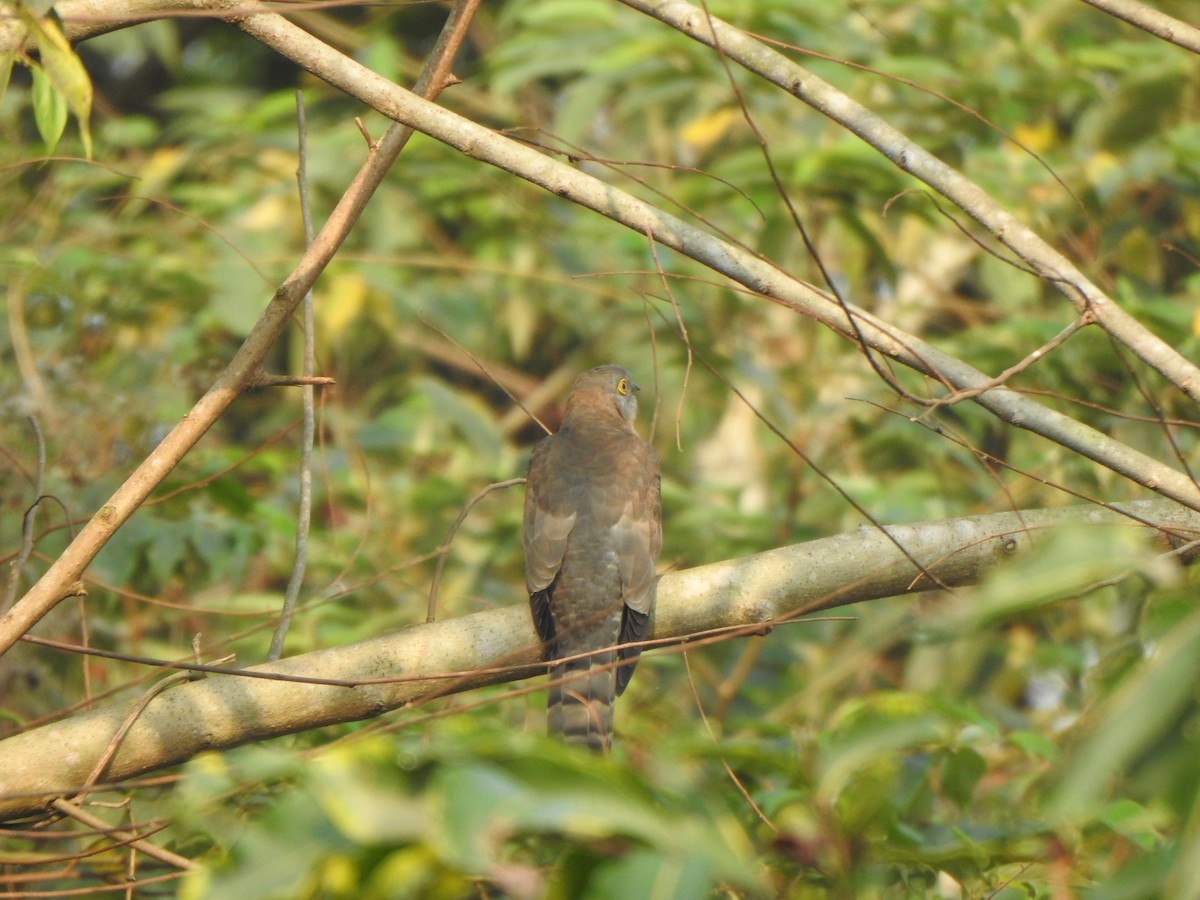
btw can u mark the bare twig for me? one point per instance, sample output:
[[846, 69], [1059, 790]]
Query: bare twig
[[39, 479], [95, 822], [304, 507], [525, 408], [444, 551], [268, 380], [143, 701], [712, 734], [683, 336], [1030, 358]]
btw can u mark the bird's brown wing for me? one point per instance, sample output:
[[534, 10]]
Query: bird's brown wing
[[549, 518], [639, 539]]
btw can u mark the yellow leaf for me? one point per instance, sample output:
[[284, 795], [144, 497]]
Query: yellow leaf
[[1099, 165], [706, 130], [159, 171], [1035, 137], [272, 213], [339, 302]]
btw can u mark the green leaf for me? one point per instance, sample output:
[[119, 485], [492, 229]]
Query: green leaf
[[67, 78], [7, 58], [961, 771], [1130, 721], [49, 110]]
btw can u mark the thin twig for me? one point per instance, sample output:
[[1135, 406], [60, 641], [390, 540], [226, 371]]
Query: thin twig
[[266, 379], [737, 782], [444, 550], [484, 369], [95, 822], [115, 743], [1030, 358], [304, 510], [14, 573], [683, 336]]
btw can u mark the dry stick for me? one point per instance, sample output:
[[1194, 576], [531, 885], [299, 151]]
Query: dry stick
[[61, 580], [1017, 368], [95, 822], [912, 158], [527, 410], [14, 575], [304, 512], [683, 336], [444, 551], [712, 734], [565, 181], [1156, 22], [93, 777]]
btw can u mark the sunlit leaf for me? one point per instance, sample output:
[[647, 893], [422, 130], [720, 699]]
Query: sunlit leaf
[[49, 109]]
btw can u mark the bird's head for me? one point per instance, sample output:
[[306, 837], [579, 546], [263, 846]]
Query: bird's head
[[605, 388]]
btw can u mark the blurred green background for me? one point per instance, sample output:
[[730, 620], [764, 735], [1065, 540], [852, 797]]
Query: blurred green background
[[1036, 736]]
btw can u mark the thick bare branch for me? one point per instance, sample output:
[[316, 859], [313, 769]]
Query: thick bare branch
[[224, 711], [1155, 21]]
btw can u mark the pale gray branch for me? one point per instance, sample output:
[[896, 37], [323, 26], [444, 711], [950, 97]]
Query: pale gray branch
[[1155, 21], [740, 265], [440, 658], [776, 68]]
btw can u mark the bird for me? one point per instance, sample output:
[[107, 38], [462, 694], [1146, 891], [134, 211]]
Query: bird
[[592, 535]]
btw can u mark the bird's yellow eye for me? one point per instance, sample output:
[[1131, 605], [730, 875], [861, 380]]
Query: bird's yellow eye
[[623, 386]]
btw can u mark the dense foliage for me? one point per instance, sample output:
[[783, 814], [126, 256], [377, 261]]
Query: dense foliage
[[1036, 736]]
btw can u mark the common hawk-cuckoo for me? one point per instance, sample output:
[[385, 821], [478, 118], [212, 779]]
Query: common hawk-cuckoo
[[592, 535]]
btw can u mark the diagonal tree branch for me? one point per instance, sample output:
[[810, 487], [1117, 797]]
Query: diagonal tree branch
[[1155, 21], [742, 266], [61, 579], [456, 655], [776, 68]]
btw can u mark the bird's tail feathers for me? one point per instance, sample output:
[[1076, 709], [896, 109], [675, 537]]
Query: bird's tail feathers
[[580, 702]]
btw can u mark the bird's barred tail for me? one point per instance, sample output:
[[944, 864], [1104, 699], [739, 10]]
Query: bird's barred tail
[[580, 702]]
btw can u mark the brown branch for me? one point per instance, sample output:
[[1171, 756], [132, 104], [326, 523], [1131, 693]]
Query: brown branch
[[95, 822], [58, 581], [1017, 368], [266, 380]]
